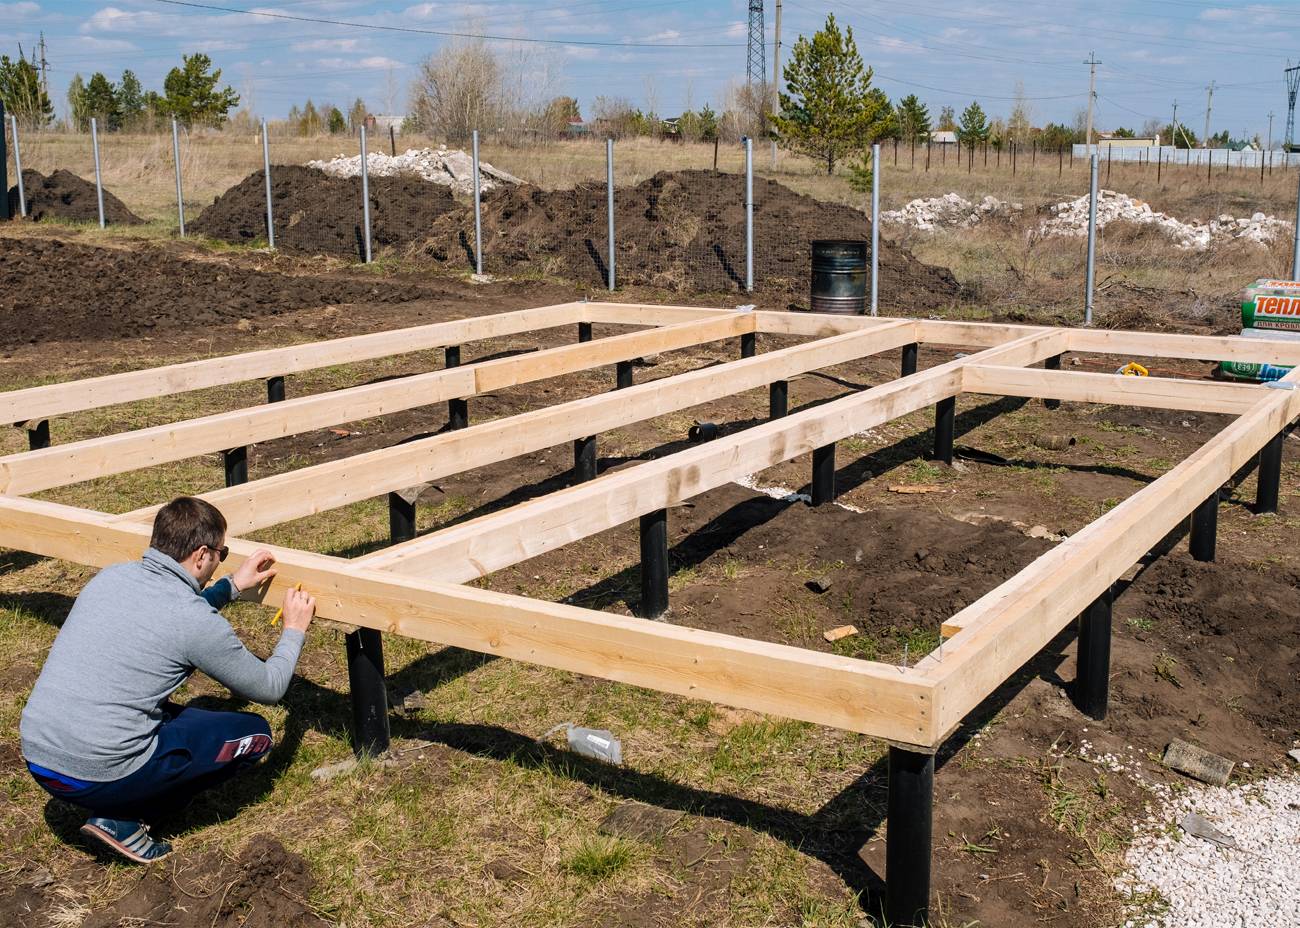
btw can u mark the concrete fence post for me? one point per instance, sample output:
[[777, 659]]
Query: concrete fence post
[[1092, 240], [176, 157], [478, 212], [609, 205], [1295, 253], [99, 181], [266, 170], [18, 169], [875, 230], [749, 214], [365, 192]]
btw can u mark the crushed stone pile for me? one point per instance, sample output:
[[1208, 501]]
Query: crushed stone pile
[[1071, 218], [317, 214], [448, 167], [1205, 884], [64, 195], [951, 210], [680, 231]]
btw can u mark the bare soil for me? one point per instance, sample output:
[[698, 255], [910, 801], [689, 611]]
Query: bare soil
[[679, 231], [319, 214], [64, 195], [1026, 824]]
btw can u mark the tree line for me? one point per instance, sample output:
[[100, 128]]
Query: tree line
[[191, 93]]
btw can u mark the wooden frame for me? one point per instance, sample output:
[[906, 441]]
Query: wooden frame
[[414, 589]]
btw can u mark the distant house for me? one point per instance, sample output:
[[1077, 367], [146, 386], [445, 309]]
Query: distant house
[[944, 137], [1107, 139], [577, 128]]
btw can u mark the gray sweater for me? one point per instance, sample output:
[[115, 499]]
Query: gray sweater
[[134, 635]]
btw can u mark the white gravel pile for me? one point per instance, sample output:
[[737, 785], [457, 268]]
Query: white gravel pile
[[450, 167], [950, 211], [953, 211], [1071, 218], [1210, 886]]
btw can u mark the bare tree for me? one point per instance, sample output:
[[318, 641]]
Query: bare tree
[[613, 116], [1019, 123], [468, 85], [747, 111]]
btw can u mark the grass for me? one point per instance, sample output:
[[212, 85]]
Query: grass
[[599, 858]]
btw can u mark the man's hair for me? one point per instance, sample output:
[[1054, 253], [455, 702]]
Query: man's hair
[[186, 524]]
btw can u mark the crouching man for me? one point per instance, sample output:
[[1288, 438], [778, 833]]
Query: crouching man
[[99, 731]]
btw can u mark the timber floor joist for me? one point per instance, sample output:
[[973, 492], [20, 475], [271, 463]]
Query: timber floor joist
[[416, 587]]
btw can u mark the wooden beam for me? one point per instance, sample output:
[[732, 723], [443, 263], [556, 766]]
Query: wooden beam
[[647, 313], [1191, 347], [826, 689], [32, 471], [999, 632], [1087, 387], [93, 393], [480, 546], [322, 487]]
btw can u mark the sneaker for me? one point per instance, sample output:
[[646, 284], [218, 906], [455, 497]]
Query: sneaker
[[127, 839]]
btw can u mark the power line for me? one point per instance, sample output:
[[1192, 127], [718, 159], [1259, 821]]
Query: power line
[[444, 33]]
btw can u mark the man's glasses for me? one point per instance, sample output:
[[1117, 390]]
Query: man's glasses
[[222, 552]]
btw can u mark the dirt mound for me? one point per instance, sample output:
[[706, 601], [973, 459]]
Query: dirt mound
[[265, 887], [680, 230], [316, 213], [55, 290], [64, 195]]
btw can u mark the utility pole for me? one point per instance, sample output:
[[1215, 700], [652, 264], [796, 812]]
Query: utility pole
[[1092, 62], [1269, 146], [1292, 75], [45, 82], [1209, 102], [754, 65]]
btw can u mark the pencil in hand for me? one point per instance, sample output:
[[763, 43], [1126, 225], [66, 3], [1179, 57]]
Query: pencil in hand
[[279, 613]]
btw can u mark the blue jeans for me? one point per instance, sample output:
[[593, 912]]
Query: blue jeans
[[197, 749]]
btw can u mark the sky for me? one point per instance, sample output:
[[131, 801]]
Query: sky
[[670, 55]]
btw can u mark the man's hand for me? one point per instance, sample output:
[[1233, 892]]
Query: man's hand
[[299, 609], [255, 570]]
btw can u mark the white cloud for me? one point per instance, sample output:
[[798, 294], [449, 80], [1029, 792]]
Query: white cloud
[[667, 34], [19, 9], [380, 61], [327, 45]]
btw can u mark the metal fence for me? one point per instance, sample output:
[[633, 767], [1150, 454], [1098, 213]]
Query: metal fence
[[708, 230], [1189, 157]]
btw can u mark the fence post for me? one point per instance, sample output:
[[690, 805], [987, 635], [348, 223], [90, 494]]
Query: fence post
[[392, 139], [1295, 253], [4, 171], [266, 169], [18, 169], [99, 181], [365, 190], [176, 157], [1092, 239], [478, 214], [609, 198], [749, 214], [875, 230]]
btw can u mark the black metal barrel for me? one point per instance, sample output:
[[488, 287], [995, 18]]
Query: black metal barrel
[[839, 276]]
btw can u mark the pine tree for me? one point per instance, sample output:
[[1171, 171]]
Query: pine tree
[[130, 99], [191, 94], [22, 94], [101, 104], [828, 110], [974, 126], [338, 124], [913, 120]]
